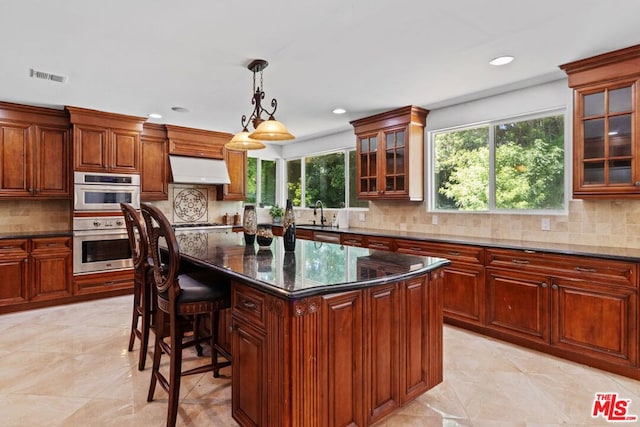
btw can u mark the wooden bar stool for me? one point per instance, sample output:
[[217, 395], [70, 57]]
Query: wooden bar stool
[[142, 288], [181, 298]]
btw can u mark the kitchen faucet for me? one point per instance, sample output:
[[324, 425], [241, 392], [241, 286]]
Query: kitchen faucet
[[323, 220]]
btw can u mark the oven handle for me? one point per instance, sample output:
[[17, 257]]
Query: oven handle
[[80, 233]]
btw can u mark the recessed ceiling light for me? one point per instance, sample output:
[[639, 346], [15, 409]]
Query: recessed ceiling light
[[155, 115], [180, 109], [339, 111], [501, 60]]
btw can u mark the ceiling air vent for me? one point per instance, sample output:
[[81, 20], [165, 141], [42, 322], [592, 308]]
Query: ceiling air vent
[[46, 76]]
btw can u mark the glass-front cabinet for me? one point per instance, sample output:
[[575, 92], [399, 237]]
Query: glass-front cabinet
[[390, 154], [605, 140]]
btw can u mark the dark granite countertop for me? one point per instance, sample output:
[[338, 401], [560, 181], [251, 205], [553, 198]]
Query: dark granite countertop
[[314, 268], [33, 234], [625, 254]]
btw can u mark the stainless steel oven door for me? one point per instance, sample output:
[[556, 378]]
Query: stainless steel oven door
[[101, 251], [105, 198]]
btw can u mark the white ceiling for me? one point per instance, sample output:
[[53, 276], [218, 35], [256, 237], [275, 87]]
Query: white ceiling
[[140, 56]]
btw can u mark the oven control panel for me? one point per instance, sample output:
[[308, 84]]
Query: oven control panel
[[99, 223]]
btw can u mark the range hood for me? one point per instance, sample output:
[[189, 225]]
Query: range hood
[[196, 170]]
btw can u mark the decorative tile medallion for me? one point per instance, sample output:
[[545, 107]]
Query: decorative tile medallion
[[190, 205]]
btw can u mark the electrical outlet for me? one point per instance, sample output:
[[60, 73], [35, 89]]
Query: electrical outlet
[[361, 217], [434, 219], [545, 224]]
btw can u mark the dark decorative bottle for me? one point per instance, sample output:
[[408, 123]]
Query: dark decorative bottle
[[249, 224], [289, 228]]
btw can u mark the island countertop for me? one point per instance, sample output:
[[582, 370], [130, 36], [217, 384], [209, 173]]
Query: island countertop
[[314, 268]]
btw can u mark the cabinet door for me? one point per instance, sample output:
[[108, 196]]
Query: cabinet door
[[154, 171], [394, 164], [249, 385], [518, 304], [15, 160], [52, 162], [382, 359], [342, 360], [237, 165], [595, 320], [367, 166], [91, 148], [605, 140], [124, 151], [52, 268], [464, 292], [14, 269]]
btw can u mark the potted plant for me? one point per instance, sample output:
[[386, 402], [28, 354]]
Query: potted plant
[[276, 213]]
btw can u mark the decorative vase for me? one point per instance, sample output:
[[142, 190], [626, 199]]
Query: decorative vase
[[289, 228], [264, 235], [289, 270], [249, 224], [265, 258]]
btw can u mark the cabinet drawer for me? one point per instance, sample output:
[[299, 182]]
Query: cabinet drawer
[[51, 244], [382, 243], [565, 265], [352, 239], [302, 233], [14, 246], [247, 303], [453, 252], [103, 282]]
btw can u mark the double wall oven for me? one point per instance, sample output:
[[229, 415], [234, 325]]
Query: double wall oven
[[100, 240]]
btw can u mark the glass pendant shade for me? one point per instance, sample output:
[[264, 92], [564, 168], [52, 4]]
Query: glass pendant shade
[[241, 141], [271, 130]]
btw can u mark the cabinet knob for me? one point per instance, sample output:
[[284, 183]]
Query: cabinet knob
[[543, 284], [637, 183], [554, 287]]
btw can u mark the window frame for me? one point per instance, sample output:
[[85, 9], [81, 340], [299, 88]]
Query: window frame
[[278, 166], [491, 125], [347, 169]]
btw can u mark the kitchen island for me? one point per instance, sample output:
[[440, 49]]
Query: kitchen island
[[328, 335]]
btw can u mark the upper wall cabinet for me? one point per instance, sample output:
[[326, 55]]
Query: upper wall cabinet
[[35, 152], [154, 171], [196, 142], [105, 142], [237, 166], [390, 154], [606, 156]]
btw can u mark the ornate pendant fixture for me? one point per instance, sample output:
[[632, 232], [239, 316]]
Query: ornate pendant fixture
[[265, 130]]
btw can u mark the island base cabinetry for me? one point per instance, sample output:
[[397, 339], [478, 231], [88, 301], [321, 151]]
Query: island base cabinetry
[[334, 360]]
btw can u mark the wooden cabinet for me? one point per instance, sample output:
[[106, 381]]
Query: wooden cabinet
[[105, 142], [154, 170], [111, 283], [35, 152], [579, 306], [52, 268], [196, 142], [464, 286], [606, 121], [339, 359], [35, 270], [390, 154], [236, 161], [14, 270]]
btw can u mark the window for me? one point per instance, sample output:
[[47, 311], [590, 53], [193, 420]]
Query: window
[[324, 180], [504, 165], [261, 182], [327, 177]]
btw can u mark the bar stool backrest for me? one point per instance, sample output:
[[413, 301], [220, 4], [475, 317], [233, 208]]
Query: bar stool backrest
[[158, 227]]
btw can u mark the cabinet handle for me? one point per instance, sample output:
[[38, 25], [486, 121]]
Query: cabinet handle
[[529, 251], [454, 253], [416, 249], [352, 241], [586, 270], [520, 261], [543, 284], [378, 244], [9, 247], [249, 304]]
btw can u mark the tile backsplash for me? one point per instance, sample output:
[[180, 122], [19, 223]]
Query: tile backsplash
[[35, 215]]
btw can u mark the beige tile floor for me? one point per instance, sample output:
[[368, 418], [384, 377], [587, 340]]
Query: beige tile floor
[[69, 366]]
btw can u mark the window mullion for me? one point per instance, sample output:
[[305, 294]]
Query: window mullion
[[258, 182], [492, 168]]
